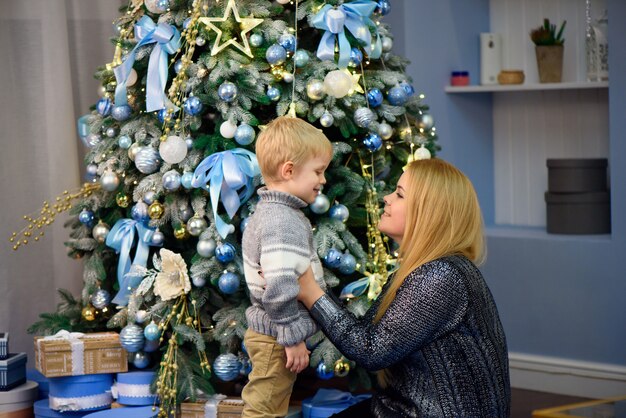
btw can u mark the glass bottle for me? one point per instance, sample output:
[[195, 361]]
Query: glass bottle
[[597, 48]]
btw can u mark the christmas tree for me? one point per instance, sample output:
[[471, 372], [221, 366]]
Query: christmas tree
[[172, 173]]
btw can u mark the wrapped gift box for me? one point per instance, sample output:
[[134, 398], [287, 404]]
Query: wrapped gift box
[[327, 402], [226, 408], [18, 402], [4, 345], [133, 388], [74, 354], [126, 412], [42, 410], [12, 371], [81, 393]]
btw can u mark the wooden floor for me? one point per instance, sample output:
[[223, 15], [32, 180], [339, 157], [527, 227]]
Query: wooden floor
[[523, 402]]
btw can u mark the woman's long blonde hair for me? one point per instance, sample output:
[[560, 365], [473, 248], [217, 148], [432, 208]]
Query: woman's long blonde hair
[[443, 218]]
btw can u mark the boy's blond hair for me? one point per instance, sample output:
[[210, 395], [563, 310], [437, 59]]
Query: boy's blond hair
[[289, 139]]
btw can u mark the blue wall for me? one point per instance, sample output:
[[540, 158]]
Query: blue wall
[[558, 296]]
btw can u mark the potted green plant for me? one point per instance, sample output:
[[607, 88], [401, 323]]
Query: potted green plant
[[549, 51]]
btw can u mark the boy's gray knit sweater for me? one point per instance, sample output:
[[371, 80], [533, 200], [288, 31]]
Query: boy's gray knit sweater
[[277, 250]]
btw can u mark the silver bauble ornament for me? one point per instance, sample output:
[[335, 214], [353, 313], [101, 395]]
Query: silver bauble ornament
[[158, 238], [100, 299], [157, 6], [149, 197], [315, 89], [320, 205], [185, 213], [426, 122], [337, 83], [147, 160], [141, 360], [226, 367], [141, 316], [133, 150], [198, 281], [100, 232], [385, 130], [173, 150], [109, 181], [196, 225], [363, 117], [327, 120], [200, 41], [131, 338], [387, 44], [206, 247]]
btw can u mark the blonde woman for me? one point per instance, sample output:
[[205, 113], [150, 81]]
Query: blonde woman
[[434, 333]]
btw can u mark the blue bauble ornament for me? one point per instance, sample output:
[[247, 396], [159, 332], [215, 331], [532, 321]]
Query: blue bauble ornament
[[227, 91], [198, 281], [228, 283], [276, 54], [301, 58], [149, 197], [147, 160], [192, 106], [100, 299], [273, 93], [226, 367], [178, 65], [246, 366], [152, 332], [225, 253], [205, 247], [287, 41], [186, 23], [320, 204], [384, 7], [141, 360], [339, 212], [244, 224], [189, 143], [86, 217], [347, 265], [92, 169], [244, 135], [397, 96], [121, 113], [104, 106], [325, 373], [158, 238], [356, 57], [410, 91], [256, 40], [186, 179], [139, 212], [131, 338], [161, 114], [124, 142], [374, 97], [111, 132], [333, 258], [151, 346], [171, 180], [373, 141]]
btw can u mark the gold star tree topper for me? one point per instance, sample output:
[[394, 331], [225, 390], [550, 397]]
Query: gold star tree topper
[[246, 24]]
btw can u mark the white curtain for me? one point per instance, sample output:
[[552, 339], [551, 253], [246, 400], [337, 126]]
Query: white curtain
[[49, 50]]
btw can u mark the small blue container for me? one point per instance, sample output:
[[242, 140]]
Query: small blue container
[[36, 376], [12, 371], [90, 392], [327, 402], [126, 412], [42, 410], [133, 388], [4, 345]]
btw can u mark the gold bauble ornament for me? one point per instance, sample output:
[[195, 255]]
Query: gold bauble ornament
[[156, 210], [89, 313], [122, 200], [277, 72], [180, 232], [342, 368]]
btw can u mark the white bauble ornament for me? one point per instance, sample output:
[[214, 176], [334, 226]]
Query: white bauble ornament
[[283, 1], [173, 150], [422, 153], [315, 89], [337, 83], [385, 130], [228, 129]]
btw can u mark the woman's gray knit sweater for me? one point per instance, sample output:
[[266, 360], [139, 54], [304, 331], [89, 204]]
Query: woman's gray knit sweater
[[277, 249], [441, 340]]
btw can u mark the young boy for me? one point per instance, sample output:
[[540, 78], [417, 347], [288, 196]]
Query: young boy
[[277, 250]]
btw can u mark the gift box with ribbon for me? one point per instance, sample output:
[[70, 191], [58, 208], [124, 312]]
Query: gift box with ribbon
[[216, 406], [133, 388], [81, 393], [329, 401], [18, 402], [42, 410], [4, 345], [74, 354], [126, 412], [12, 371]]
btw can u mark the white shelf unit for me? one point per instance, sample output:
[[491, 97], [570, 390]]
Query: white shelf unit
[[532, 121]]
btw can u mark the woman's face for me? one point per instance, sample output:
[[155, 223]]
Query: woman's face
[[393, 218]]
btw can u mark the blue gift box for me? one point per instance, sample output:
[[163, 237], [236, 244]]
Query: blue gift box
[[4, 345], [12, 371], [329, 401], [36, 376], [88, 392], [133, 388], [42, 410], [126, 412]]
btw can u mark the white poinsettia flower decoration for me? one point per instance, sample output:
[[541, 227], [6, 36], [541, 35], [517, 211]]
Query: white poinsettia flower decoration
[[173, 280]]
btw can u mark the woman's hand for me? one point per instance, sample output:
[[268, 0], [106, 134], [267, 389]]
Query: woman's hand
[[310, 291]]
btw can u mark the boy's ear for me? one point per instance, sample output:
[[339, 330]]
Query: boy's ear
[[286, 170]]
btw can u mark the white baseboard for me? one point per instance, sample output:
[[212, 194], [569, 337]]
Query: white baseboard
[[567, 377]]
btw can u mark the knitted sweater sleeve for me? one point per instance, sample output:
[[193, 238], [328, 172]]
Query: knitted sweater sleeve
[[285, 256], [431, 301]]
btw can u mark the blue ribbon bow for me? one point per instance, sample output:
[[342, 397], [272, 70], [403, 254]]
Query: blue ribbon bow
[[121, 238], [227, 176], [353, 16], [167, 40]]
